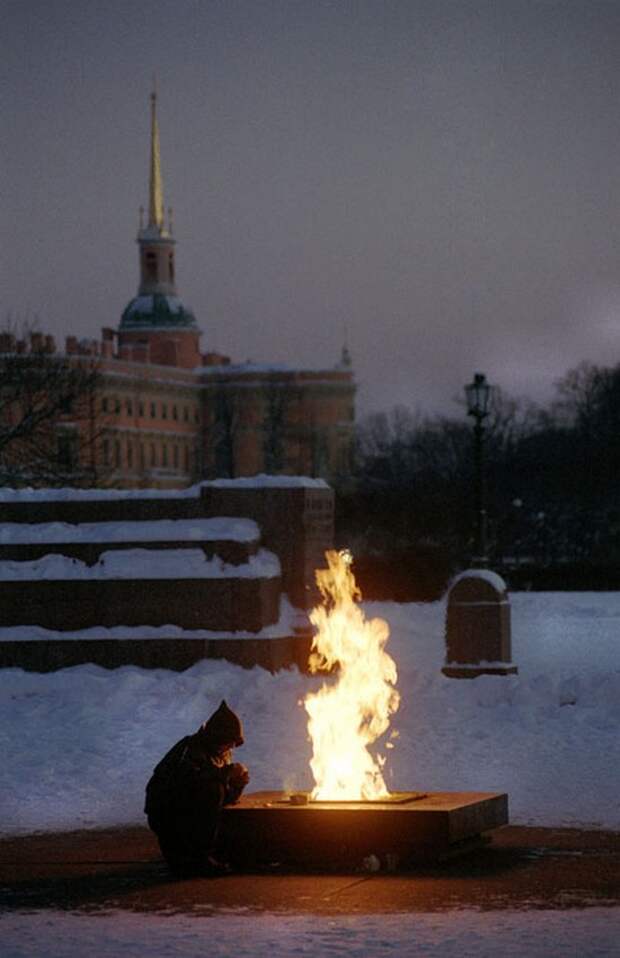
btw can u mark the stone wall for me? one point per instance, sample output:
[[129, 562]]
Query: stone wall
[[295, 518], [220, 605], [297, 523]]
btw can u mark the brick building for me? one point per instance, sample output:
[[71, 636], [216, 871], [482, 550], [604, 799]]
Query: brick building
[[166, 414]]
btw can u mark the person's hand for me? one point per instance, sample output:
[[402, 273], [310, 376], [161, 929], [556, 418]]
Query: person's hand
[[238, 775]]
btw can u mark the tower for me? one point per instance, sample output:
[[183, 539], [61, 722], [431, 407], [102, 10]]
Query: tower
[[155, 325], [155, 241]]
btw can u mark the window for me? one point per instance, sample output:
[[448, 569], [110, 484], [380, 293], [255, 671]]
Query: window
[[66, 451], [185, 414], [151, 266], [117, 406], [105, 452], [153, 455], [164, 455], [175, 414], [117, 454], [153, 411], [129, 407], [129, 456], [141, 408], [104, 404], [196, 416], [186, 459], [164, 411], [175, 457], [142, 459]]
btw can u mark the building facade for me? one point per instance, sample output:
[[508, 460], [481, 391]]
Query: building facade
[[165, 414]]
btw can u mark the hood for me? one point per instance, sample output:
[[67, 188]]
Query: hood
[[223, 726]]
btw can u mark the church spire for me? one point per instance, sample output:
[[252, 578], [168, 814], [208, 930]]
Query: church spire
[[156, 193], [155, 241], [157, 316]]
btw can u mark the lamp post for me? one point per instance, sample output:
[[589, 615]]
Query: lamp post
[[478, 394], [478, 640]]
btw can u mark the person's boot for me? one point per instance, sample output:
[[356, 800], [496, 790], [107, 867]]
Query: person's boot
[[213, 867]]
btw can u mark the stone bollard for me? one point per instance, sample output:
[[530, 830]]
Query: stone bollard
[[478, 638]]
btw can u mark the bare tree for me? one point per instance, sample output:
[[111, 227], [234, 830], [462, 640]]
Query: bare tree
[[48, 423], [384, 444], [273, 427], [225, 428]]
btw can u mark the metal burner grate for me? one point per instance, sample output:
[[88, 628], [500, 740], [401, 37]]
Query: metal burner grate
[[395, 798]]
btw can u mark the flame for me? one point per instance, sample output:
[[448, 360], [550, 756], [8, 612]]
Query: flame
[[348, 714]]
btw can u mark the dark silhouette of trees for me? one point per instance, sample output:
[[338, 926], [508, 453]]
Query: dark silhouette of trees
[[552, 484], [225, 431], [274, 405], [48, 427]]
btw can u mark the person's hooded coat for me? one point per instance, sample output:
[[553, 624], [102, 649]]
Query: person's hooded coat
[[194, 780]]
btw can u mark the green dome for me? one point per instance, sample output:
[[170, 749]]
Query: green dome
[[157, 310]]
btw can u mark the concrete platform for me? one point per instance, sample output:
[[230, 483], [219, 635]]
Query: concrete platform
[[121, 869], [265, 827]]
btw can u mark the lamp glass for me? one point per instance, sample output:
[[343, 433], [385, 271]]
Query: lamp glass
[[478, 393]]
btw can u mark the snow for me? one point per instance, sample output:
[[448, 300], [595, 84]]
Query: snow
[[144, 304], [254, 368], [573, 933], [79, 744], [93, 495], [483, 663], [288, 619], [260, 481], [482, 575], [159, 530], [151, 563], [268, 482], [248, 367]]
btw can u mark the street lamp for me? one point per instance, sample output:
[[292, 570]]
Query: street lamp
[[478, 394]]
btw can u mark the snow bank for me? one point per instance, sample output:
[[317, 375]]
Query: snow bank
[[268, 482], [159, 530], [285, 626], [484, 575], [191, 492], [142, 564], [78, 745], [94, 495]]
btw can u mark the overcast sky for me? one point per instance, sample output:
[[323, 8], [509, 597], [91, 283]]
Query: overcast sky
[[442, 179]]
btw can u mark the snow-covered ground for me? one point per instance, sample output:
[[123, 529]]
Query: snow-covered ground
[[590, 933], [78, 745]]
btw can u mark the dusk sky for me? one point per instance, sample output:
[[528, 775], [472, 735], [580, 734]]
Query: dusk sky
[[442, 179]]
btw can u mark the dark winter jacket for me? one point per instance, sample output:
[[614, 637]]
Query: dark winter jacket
[[196, 777]]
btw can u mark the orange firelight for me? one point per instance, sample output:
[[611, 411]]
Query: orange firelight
[[351, 711]]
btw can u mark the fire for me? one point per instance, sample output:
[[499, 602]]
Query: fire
[[351, 712]]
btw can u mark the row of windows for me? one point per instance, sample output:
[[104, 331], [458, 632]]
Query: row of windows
[[145, 455], [110, 405]]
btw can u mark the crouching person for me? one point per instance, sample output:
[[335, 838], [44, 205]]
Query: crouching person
[[187, 790]]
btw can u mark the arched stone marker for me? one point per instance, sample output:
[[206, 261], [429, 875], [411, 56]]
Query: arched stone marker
[[478, 638]]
